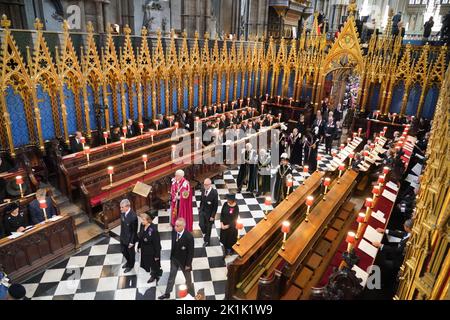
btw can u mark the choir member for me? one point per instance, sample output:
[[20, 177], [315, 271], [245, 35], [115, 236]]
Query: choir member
[[247, 170], [150, 246], [131, 129], [181, 200], [181, 257], [36, 213], [264, 161], [209, 203], [295, 144], [228, 218], [128, 234], [75, 143], [318, 125], [284, 171]]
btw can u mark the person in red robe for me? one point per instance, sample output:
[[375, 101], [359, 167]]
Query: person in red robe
[[181, 200]]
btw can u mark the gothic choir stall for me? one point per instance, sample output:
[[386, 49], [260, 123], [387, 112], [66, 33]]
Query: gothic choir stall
[[152, 167]]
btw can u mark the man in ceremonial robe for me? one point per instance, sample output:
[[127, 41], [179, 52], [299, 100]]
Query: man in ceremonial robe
[[247, 170], [181, 200], [284, 172], [264, 172]]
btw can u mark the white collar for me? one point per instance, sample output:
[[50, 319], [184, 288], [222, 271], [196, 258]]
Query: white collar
[[180, 233]]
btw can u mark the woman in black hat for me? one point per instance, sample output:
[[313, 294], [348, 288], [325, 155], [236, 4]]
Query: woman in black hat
[[228, 218], [150, 246], [14, 220]]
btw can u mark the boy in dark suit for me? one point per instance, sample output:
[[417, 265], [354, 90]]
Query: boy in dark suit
[[36, 213], [180, 257], [208, 209], [128, 233]]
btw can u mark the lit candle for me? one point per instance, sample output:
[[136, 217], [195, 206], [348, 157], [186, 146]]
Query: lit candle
[[141, 126], [110, 172], [19, 181], [386, 170], [351, 156], [267, 203], [105, 136], [123, 140], [289, 184], [152, 134], [239, 227], [87, 152], [359, 131], [360, 219], [285, 228], [350, 240], [326, 183], [124, 131], [309, 202], [43, 206], [375, 191], [145, 159], [182, 291], [83, 141], [368, 203]]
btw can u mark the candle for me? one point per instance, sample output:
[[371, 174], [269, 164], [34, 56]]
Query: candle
[[369, 202], [124, 131], [381, 180], [141, 126], [326, 183], [385, 129], [351, 156], [386, 170], [278, 99], [375, 191], [350, 240], [173, 151], [290, 101], [83, 141], [267, 203], [285, 228], [19, 181], [289, 184], [359, 131], [87, 152], [182, 291], [341, 168], [110, 172], [152, 133], [123, 140], [43, 206], [145, 159], [309, 202], [239, 226], [360, 219], [156, 121], [382, 134]]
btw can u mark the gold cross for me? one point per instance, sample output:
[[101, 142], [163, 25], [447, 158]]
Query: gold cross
[[38, 24], [144, 31], [126, 30], [90, 27], [5, 23]]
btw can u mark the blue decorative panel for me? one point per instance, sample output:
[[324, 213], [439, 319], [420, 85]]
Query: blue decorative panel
[[238, 90], [291, 85], [280, 84], [91, 102], [16, 111], [223, 89], [231, 89], [413, 100], [269, 82], [373, 103], [119, 108], [135, 103], [174, 101], [45, 109], [83, 118], [196, 93], [214, 88], [148, 103], [397, 96], [430, 102], [163, 97], [110, 106], [186, 98], [71, 113]]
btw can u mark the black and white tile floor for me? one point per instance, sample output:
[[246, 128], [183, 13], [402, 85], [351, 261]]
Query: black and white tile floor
[[95, 273]]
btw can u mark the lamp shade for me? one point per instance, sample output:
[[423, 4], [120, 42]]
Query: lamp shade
[[123, 140], [87, 150], [319, 157], [386, 170], [361, 217], [105, 134], [382, 134], [309, 201], [285, 227], [342, 147], [359, 130], [182, 291], [141, 125], [144, 158], [341, 167], [239, 224], [326, 182], [42, 204], [176, 124], [156, 121], [152, 132], [289, 183], [124, 130], [350, 237], [385, 129], [376, 190], [305, 169], [268, 201], [83, 140], [110, 170], [19, 179], [369, 202], [351, 155], [349, 140], [333, 153], [381, 179]]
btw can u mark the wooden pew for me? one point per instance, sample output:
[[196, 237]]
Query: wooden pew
[[37, 248]]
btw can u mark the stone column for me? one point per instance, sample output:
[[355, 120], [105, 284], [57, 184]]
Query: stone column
[[99, 14]]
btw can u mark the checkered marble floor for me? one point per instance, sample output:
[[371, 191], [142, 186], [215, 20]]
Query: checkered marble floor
[[95, 273]]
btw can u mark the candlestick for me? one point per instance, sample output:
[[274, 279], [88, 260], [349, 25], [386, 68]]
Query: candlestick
[[110, 172], [122, 141], [105, 136], [309, 202], [369, 203], [87, 151], [239, 226], [267, 203], [285, 228], [350, 240], [360, 219]]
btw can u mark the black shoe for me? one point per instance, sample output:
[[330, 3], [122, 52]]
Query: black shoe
[[164, 296], [152, 278], [128, 269], [125, 266]]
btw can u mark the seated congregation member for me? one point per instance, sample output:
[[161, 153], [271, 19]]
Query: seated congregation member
[[149, 244], [131, 129], [14, 219], [75, 143], [5, 166], [228, 218], [128, 234], [181, 257], [209, 203], [36, 213], [283, 172]]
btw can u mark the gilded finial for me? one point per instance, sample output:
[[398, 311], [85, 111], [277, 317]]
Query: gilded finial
[[184, 33], [196, 34], [127, 30], [158, 33], [172, 33], [5, 23], [38, 24], [90, 27], [206, 36], [65, 26], [144, 31], [351, 8], [109, 29]]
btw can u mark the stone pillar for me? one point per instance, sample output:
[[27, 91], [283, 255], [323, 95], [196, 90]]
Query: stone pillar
[[99, 14]]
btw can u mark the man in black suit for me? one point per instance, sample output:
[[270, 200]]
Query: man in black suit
[[208, 209], [181, 257], [75, 144], [36, 213], [131, 129], [128, 233]]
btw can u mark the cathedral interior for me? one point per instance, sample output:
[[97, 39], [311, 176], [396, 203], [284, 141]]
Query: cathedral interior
[[224, 150]]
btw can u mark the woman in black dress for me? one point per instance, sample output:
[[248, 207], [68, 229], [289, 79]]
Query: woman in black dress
[[150, 246], [295, 141], [228, 218], [14, 220]]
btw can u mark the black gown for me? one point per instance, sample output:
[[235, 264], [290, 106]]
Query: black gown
[[312, 163], [280, 188], [12, 223], [296, 151], [150, 245], [228, 217]]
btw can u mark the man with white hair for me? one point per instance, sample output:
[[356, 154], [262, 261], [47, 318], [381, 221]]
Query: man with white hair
[[181, 200], [128, 233]]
